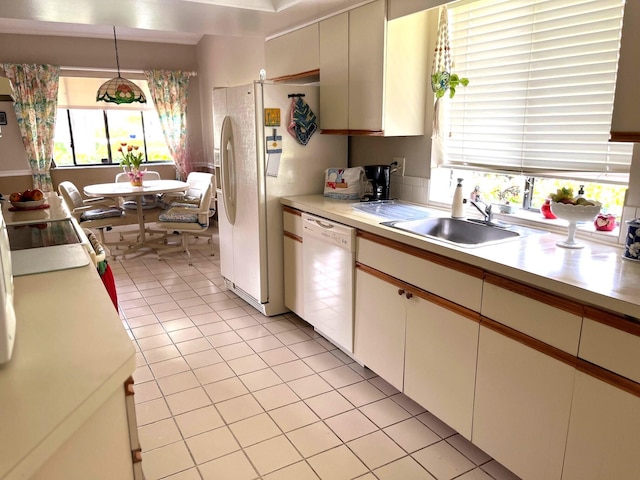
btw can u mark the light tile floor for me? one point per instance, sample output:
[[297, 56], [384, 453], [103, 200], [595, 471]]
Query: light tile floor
[[225, 393]]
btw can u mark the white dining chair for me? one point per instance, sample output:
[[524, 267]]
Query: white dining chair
[[98, 213], [189, 220], [196, 181]]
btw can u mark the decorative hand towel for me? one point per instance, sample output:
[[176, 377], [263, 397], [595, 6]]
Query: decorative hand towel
[[303, 120]]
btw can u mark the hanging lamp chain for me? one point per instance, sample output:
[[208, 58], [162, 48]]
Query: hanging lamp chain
[[115, 41]]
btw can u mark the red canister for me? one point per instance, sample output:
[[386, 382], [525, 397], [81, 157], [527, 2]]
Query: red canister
[[546, 209]]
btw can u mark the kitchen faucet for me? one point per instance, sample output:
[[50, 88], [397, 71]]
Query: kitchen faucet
[[486, 211]]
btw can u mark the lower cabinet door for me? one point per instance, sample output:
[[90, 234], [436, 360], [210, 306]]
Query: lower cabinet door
[[440, 362], [380, 327], [99, 449], [522, 406], [604, 432]]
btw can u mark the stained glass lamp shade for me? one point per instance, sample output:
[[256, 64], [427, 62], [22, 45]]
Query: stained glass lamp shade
[[119, 90]]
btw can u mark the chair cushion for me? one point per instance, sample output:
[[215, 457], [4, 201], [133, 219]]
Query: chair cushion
[[178, 217], [99, 213], [148, 201]]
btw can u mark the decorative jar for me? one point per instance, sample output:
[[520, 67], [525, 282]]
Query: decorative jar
[[632, 244]]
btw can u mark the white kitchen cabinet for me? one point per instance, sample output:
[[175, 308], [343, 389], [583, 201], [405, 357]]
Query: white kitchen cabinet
[[99, 449], [522, 402], [612, 342], [457, 282], [440, 359], [604, 430], [334, 72], [293, 54], [293, 267], [625, 121], [551, 319], [373, 72], [380, 322]]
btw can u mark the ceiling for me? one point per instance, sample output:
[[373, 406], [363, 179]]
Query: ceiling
[[170, 21]]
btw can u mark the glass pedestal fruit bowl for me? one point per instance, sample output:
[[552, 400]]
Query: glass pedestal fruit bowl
[[574, 214]]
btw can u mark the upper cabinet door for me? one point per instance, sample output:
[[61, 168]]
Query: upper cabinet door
[[625, 123], [293, 54], [334, 73], [374, 72], [366, 66]]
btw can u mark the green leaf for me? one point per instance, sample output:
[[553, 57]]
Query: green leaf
[[452, 91]]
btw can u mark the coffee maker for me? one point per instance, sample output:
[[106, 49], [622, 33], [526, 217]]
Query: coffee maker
[[378, 179]]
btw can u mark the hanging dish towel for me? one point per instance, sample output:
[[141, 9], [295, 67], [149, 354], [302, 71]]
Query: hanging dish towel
[[303, 121]]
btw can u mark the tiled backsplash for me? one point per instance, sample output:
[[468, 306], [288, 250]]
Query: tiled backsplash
[[410, 189]]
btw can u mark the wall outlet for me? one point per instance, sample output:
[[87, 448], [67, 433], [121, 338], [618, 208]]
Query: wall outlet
[[400, 171]]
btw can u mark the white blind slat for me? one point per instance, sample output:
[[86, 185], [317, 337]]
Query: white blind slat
[[542, 77]]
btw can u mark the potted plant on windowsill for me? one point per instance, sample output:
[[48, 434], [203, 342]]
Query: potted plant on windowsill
[[130, 163], [509, 199]]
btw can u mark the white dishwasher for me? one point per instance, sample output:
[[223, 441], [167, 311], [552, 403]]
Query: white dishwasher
[[328, 258]]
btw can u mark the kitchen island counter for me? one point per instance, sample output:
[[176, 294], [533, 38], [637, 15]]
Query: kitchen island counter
[[71, 355], [595, 275]]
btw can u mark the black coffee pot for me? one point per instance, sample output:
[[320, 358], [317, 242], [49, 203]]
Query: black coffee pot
[[379, 179]]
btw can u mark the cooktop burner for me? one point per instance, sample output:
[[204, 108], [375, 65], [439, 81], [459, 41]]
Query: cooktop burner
[[44, 234]]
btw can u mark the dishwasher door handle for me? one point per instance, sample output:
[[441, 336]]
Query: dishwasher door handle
[[323, 225]]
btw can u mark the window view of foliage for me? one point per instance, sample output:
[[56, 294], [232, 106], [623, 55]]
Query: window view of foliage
[[92, 137], [500, 188]]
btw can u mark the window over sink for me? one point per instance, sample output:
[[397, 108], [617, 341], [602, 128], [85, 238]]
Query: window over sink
[[537, 112]]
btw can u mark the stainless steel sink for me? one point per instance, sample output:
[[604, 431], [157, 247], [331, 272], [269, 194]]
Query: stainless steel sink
[[459, 232]]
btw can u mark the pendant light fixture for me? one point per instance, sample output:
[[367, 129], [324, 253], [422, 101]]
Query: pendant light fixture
[[119, 90]]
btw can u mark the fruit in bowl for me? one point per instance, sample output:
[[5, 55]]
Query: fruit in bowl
[[27, 199], [583, 211]]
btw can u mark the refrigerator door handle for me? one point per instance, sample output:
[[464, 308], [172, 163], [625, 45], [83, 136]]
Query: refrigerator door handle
[[227, 170]]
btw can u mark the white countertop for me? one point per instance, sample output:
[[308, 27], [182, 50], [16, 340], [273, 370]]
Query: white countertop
[[57, 211], [595, 275], [71, 353]]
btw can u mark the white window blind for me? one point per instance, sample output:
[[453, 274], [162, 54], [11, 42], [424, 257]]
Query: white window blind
[[542, 78]]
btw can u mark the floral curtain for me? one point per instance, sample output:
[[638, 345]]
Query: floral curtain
[[169, 90], [35, 89]]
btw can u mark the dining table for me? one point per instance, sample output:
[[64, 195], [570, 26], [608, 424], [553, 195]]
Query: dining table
[[125, 189]]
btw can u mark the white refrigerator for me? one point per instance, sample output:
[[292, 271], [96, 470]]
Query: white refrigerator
[[253, 175]]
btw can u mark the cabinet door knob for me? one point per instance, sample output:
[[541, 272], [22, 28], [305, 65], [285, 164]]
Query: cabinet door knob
[[408, 295], [400, 291]]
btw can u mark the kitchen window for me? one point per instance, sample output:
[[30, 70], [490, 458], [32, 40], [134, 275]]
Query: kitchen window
[[90, 133], [537, 111]]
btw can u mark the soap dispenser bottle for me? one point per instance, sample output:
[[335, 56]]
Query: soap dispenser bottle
[[457, 206]]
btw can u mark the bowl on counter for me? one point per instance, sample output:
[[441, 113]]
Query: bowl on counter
[[29, 204], [574, 214]]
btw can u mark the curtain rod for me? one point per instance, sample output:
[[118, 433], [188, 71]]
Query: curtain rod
[[96, 69], [113, 70]]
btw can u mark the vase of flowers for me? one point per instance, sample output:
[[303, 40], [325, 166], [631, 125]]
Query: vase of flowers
[[130, 163]]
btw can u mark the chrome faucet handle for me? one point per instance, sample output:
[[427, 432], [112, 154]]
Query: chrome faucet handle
[[488, 211]]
